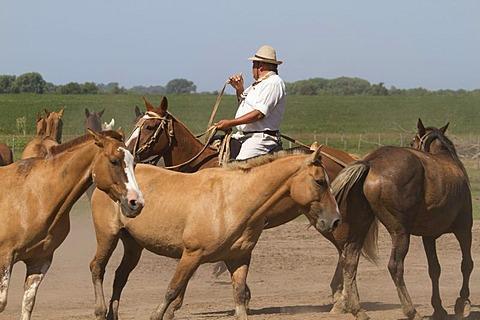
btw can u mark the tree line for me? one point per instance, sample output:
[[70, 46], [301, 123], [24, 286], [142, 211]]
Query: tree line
[[33, 82]]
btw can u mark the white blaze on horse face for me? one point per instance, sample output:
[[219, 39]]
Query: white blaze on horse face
[[134, 136], [132, 187]]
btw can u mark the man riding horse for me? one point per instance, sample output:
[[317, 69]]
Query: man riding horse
[[261, 107]]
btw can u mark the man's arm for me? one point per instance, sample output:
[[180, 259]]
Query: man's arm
[[250, 117]]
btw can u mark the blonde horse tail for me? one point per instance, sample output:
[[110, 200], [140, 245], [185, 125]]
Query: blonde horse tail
[[370, 247], [341, 187]]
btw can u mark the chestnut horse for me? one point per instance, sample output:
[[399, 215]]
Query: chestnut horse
[[215, 214], [422, 191], [159, 134], [6, 155], [48, 134], [35, 207]]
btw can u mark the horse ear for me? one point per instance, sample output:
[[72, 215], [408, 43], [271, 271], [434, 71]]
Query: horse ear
[[87, 113], [444, 128], [148, 105], [420, 127], [112, 123], [100, 114], [138, 113], [98, 137], [60, 113], [39, 117], [316, 157], [47, 113], [164, 105]]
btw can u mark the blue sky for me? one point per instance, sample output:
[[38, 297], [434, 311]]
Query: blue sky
[[410, 43]]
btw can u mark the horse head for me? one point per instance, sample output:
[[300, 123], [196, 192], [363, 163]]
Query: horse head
[[93, 120], [153, 131], [310, 188], [113, 172], [431, 139], [54, 125]]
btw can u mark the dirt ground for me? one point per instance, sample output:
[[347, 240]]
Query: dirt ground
[[289, 278]]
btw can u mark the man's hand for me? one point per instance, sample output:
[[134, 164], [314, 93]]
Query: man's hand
[[224, 125], [236, 81]]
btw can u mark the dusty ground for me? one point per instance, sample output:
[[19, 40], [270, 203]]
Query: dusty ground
[[289, 278]]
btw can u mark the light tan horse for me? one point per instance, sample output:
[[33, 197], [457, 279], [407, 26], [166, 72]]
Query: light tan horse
[[212, 215], [41, 191], [48, 134]]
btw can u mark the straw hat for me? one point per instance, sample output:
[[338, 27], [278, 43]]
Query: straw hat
[[266, 54]]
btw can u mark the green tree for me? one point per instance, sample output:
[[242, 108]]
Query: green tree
[[6, 83], [29, 82], [89, 88], [71, 88], [180, 86]]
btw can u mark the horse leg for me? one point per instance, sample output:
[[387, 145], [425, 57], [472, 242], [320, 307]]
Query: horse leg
[[106, 244], [5, 274], [175, 305], [131, 255], [239, 270], [463, 304], [36, 271], [184, 271], [434, 272], [400, 244]]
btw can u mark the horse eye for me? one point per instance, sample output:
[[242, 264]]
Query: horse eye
[[115, 162], [150, 127], [321, 182]]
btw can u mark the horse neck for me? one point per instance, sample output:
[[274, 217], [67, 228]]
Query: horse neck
[[272, 182], [73, 170], [185, 147]]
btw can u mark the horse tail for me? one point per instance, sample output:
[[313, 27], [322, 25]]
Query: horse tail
[[347, 178], [341, 187], [370, 247]]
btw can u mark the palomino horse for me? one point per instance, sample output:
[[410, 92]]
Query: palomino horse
[[158, 134], [48, 134], [41, 191], [6, 155], [422, 191], [211, 215]]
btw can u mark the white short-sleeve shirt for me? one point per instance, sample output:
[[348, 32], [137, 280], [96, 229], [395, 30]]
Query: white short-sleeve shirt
[[269, 97]]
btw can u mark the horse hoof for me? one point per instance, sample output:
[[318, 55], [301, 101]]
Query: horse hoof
[[338, 308], [462, 308], [440, 315], [416, 316], [362, 315]]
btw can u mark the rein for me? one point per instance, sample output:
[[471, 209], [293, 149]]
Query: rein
[[166, 124]]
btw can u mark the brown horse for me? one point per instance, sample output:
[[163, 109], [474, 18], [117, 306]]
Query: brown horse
[[93, 121], [6, 155], [421, 191], [48, 134], [34, 208], [215, 214], [159, 134]]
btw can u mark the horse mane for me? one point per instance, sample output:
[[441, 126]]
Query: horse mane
[[257, 161], [186, 128], [55, 150], [447, 145]]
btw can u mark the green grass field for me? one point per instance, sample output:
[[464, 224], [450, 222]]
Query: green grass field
[[357, 124]]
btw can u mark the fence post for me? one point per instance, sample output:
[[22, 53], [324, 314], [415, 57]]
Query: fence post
[[401, 140], [359, 142]]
